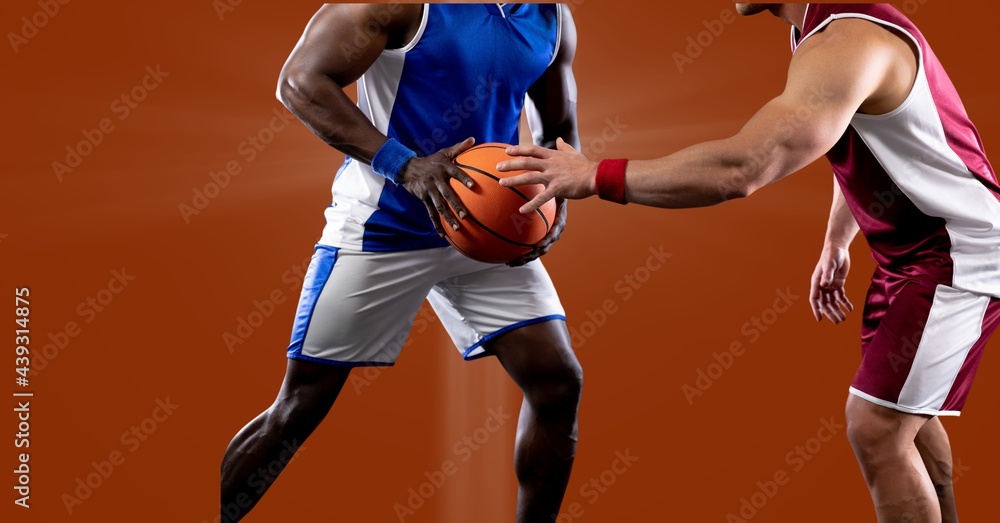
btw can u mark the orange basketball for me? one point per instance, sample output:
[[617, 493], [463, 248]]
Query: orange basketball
[[494, 231]]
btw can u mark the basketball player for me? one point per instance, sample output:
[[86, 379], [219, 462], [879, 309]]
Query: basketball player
[[428, 76], [865, 89]]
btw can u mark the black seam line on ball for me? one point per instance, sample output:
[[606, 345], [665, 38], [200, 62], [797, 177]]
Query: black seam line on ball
[[519, 193]]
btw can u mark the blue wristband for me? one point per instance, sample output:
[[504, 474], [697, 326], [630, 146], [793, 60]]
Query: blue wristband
[[390, 159]]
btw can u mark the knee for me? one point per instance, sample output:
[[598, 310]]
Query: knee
[[870, 438], [558, 393]]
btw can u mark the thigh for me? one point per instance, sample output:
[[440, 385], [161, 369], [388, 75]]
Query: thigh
[[932, 442], [485, 302], [885, 425], [923, 353], [356, 308]]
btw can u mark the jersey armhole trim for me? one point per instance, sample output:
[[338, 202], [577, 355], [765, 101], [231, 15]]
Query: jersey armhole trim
[[919, 81], [559, 30], [416, 38], [795, 30]]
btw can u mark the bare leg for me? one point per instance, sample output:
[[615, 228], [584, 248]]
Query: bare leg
[[260, 451], [541, 362], [935, 449], [883, 441]]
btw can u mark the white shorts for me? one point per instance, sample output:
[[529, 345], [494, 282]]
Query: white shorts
[[356, 308]]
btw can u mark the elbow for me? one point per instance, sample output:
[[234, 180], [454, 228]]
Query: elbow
[[749, 165], [284, 90], [737, 192], [740, 182], [289, 87], [738, 170]]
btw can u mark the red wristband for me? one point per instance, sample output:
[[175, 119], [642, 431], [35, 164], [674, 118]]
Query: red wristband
[[610, 180]]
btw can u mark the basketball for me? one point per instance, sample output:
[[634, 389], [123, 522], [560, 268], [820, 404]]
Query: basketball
[[494, 231]]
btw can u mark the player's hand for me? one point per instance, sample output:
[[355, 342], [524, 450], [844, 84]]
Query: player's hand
[[550, 239], [565, 172], [429, 179], [826, 294]]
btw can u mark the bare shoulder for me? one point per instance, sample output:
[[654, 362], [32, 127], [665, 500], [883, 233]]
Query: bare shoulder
[[397, 20], [863, 59], [378, 14], [342, 41], [850, 36]]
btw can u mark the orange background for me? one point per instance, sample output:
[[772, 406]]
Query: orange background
[[162, 337]]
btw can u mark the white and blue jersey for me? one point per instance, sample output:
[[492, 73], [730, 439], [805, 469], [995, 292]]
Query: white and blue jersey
[[465, 73]]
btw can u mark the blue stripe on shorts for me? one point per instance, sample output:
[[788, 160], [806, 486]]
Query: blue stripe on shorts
[[312, 286]]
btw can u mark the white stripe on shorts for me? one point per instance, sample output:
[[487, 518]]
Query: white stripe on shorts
[[954, 325]]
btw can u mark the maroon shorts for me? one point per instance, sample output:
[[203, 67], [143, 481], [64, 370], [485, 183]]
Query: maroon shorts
[[921, 345]]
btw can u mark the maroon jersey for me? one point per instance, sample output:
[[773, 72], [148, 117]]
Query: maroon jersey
[[917, 179]]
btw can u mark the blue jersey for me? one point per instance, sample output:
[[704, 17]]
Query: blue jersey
[[465, 73]]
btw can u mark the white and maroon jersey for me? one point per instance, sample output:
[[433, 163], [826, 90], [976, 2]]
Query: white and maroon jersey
[[917, 179]]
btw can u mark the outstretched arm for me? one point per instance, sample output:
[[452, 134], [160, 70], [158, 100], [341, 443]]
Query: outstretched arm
[[831, 75]]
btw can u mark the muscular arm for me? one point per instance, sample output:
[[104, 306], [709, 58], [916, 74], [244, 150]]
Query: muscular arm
[[831, 76], [326, 60]]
